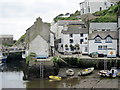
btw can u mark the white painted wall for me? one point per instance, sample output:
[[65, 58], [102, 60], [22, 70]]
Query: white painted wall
[[93, 47], [76, 40], [53, 28], [57, 30], [39, 46], [51, 39], [100, 26], [94, 6], [119, 33]]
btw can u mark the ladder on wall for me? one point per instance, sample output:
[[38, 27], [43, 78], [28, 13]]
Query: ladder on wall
[[42, 69]]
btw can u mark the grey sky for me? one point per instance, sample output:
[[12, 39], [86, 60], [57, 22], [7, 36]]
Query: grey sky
[[18, 15]]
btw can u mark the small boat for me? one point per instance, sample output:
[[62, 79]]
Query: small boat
[[55, 77], [70, 72], [86, 71], [112, 73], [103, 73], [23, 55], [3, 58]]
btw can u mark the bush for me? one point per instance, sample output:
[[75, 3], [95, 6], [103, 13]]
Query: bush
[[109, 15]]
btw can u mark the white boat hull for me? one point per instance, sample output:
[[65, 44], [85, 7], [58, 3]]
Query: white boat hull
[[86, 71]]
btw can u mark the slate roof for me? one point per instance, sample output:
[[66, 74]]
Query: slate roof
[[70, 22], [104, 34], [75, 29]]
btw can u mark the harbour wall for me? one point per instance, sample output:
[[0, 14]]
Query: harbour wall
[[44, 68]]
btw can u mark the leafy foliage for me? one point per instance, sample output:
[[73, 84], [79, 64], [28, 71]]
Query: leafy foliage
[[20, 40], [56, 59], [72, 16], [109, 15]]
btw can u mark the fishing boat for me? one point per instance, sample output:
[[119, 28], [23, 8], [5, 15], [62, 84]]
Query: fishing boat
[[103, 73], [86, 71], [70, 72], [55, 78], [3, 57]]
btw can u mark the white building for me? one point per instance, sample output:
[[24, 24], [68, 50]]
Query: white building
[[119, 32], [38, 39], [91, 6], [52, 44], [60, 25], [102, 41], [74, 38]]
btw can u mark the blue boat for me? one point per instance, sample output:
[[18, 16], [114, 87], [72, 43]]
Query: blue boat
[[113, 72], [3, 58]]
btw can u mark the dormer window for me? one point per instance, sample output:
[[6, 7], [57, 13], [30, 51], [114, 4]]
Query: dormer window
[[108, 39], [97, 40], [71, 35]]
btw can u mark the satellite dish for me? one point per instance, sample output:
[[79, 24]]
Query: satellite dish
[[114, 1]]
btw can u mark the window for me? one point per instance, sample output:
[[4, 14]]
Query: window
[[67, 48], [108, 40], [97, 40], [81, 34], [103, 29], [104, 47], [99, 47], [71, 40], [72, 47], [81, 40], [83, 10], [86, 50], [108, 29], [71, 35], [89, 9], [100, 8], [105, 3]]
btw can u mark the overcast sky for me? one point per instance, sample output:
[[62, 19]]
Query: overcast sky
[[18, 15]]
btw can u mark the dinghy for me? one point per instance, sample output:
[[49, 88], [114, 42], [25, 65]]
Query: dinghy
[[103, 73], [86, 71], [55, 77], [112, 73], [69, 72]]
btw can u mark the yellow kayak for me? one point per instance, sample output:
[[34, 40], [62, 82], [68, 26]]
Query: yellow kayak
[[55, 77]]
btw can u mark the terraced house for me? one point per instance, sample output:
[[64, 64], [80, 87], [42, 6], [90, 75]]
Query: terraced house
[[103, 37], [74, 39], [69, 34]]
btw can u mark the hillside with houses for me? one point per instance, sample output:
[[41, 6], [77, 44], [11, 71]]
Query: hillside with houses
[[97, 30]]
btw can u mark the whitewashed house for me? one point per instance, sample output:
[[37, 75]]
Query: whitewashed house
[[102, 41], [60, 25], [38, 39], [74, 39], [102, 37], [91, 6]]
